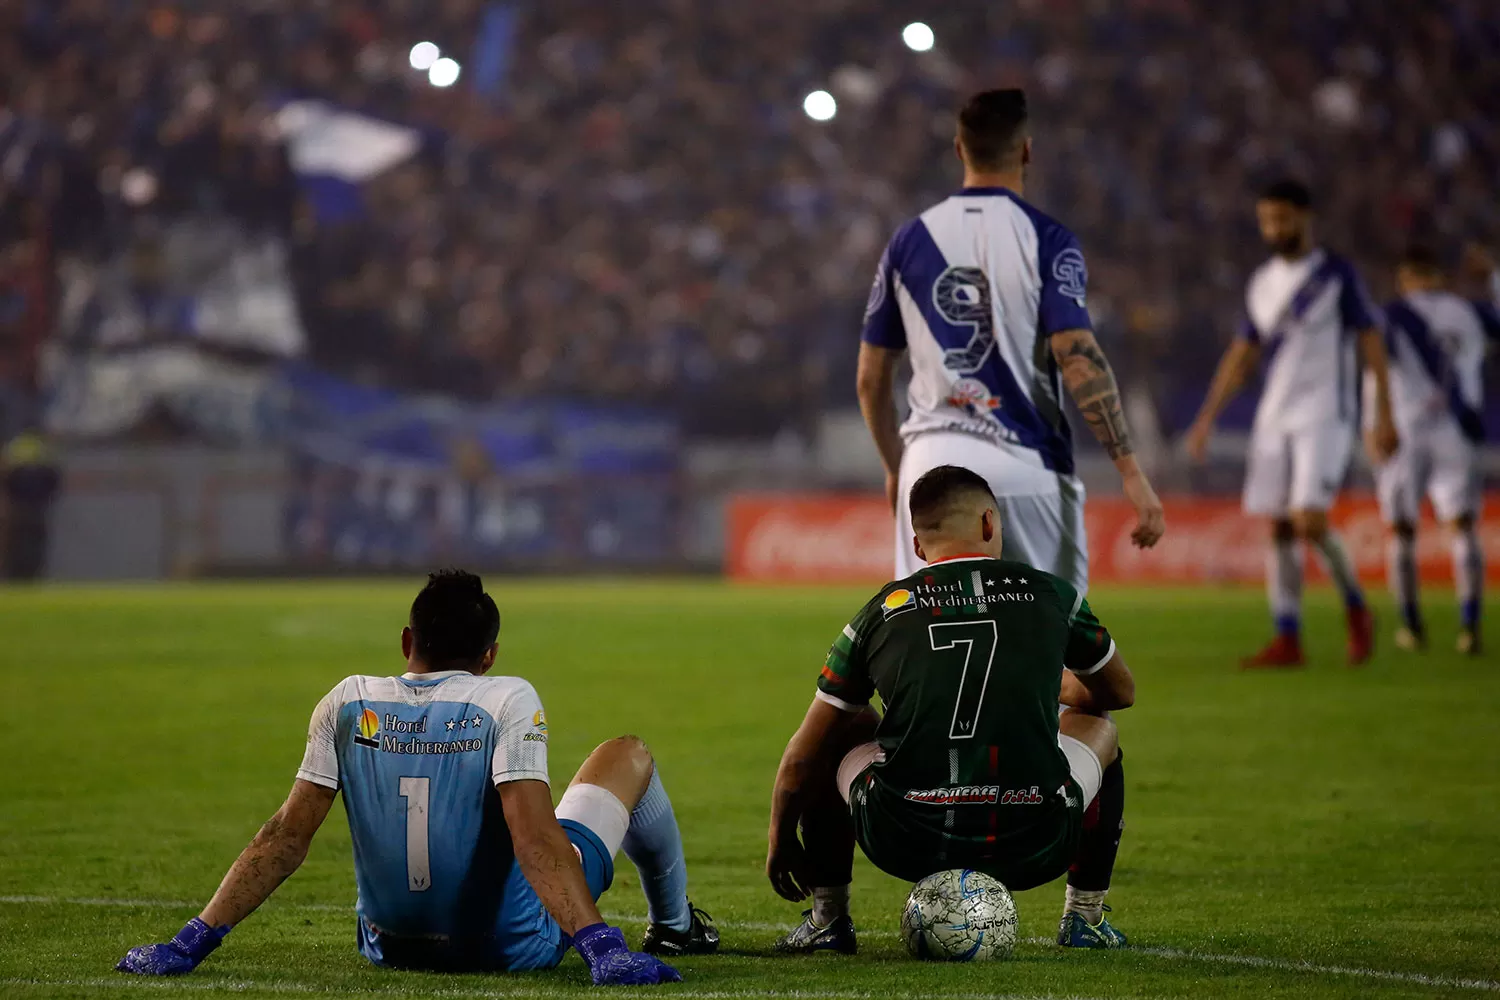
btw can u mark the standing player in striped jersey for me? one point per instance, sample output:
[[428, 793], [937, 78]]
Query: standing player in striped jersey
[[987, 295], [1307, 310], [1437, 345]]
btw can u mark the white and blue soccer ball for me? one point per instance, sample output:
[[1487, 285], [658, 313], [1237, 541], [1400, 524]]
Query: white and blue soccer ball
[[959, 916]]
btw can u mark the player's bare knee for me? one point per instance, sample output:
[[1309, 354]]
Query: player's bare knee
[[1283, 530], [1462, 524], [1404, 530], [1096, 732], [623, 765]]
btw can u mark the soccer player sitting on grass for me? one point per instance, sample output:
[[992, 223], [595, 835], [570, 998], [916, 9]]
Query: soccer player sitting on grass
[[461, 862], [971, 765]]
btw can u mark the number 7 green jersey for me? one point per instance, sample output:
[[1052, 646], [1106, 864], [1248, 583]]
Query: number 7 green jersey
[[967, 657]]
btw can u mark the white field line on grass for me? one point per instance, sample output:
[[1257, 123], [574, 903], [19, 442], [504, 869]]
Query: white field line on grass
[[480, 993], [1174, 954]]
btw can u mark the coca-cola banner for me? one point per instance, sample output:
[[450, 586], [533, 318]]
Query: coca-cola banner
[[849, 538], [809, 538]]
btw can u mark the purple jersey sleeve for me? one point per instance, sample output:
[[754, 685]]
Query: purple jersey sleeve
[[1065, 279], [883, 326], [1357, 311]]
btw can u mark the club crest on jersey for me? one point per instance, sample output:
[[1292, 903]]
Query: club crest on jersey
[[369, 728], [972, 395], [1071, 274], [898, 601]]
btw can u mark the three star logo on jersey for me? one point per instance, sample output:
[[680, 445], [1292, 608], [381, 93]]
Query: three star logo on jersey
[[897, 601], [369, 728]]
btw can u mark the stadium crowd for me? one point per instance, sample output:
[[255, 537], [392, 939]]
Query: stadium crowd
[[643, 211]]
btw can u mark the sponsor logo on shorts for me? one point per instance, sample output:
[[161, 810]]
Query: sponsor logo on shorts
[[962, 795], [975, 795]]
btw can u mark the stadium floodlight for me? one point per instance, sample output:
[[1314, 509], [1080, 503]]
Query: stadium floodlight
[[444, 73], [423, 55], [820, 105], [918, 36]]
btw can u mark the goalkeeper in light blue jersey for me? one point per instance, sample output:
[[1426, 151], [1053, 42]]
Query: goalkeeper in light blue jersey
[[462, 863]]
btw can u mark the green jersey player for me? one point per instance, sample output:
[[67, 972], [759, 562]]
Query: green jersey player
[[971, 765]]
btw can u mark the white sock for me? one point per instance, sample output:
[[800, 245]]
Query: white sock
[[1401, 576], [1336, 561], [1284, 584], [1087, 904], [1468, 576], [830, 903]]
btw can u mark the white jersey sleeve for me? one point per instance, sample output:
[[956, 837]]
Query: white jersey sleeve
[[320, 762], [521, 740]]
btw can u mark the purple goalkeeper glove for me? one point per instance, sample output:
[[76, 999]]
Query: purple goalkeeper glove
[[612, 963], [195, 942]]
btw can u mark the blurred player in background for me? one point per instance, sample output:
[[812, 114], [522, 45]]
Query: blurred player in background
[[1437, 343], [971, 766], [461, 862], [1307, 310], [987, 295]]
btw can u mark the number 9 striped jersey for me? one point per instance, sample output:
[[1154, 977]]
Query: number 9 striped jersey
[[417, 758], [973, 288]]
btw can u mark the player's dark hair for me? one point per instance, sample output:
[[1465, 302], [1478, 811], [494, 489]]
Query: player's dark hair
[[1289, 190], [1422, 258], [941, 491], [453, 620], [992, 127]]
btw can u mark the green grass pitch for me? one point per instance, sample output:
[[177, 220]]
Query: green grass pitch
[[1328, 833]]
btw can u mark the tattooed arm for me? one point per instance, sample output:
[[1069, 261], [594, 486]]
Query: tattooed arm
[[1091, 383], [546, 856], [277, 851]]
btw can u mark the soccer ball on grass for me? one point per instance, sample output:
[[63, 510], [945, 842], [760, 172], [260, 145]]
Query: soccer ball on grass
[[959, 916]]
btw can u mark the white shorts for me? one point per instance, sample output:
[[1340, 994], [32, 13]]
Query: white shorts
[[1434, 460], [1082, 765], [1041, 512], [1301, 471]]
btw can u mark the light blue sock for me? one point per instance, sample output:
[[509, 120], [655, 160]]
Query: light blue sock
[[654, 845]]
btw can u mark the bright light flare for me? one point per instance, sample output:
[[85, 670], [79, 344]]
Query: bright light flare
[[444, 73], [422, 56], [820, 106], [918, 37]]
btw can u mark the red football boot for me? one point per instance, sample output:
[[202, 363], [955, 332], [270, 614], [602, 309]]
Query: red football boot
[[1283, 653], [1361, 636]]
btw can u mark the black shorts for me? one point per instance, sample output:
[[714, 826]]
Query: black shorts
[[1021, 845]]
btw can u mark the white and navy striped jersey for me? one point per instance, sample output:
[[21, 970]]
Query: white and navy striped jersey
[[973, 288], [1307, 314], [1437, 342]]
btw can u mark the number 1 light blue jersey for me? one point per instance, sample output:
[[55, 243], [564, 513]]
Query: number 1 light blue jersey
[[417, 758]]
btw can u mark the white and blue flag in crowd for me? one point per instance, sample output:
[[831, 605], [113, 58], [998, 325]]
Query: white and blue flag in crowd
[[335, 151]]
